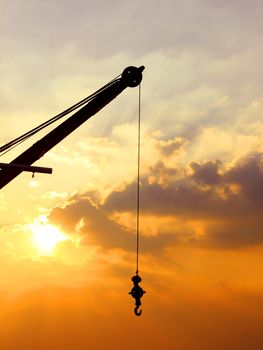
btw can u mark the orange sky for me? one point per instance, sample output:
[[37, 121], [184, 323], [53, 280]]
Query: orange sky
[[67, 242]]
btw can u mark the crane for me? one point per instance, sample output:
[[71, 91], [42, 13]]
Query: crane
[[131, 77]]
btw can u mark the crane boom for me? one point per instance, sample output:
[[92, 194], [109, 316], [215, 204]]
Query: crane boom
[[130, 77]]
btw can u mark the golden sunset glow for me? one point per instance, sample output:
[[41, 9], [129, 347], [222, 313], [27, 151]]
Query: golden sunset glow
[[33, 183], [45, 235], [68, 239]]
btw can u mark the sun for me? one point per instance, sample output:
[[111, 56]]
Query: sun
[[45, 235]]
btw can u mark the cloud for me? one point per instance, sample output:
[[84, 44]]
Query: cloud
[[170, 146], [96, 228], [227, 201], [206, 173], [249, 175], [229, 204], [98, 29], [162, 174]]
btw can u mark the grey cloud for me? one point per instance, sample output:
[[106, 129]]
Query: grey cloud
[[206, 173], [195, 54], [98, 229], [104, 27], [184, 200], [232, 218], [170, 146], [249, 175], [161, 174], [238, 233]]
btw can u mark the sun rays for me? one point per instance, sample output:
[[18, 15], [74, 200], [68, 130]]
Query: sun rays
[[46, 236]]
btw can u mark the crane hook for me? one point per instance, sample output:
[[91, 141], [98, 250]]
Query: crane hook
[[137, 293], [137, 313]]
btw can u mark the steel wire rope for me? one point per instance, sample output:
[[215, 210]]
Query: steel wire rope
[[14, 143], [138, 184]]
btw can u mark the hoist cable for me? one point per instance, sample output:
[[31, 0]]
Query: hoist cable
[[138, 184], [12, 144]]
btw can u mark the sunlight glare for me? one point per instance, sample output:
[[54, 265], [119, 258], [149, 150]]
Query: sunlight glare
[[33, 183], [45, 235]]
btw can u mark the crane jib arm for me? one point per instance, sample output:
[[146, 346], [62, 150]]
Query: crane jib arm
[[131, 77]]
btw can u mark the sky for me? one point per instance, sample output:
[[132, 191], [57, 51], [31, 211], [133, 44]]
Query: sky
[[68, 240]]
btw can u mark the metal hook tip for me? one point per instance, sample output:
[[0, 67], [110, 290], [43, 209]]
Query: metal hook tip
[[137, 313]]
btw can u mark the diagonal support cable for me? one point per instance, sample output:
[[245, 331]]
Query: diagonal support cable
[[17, 141]]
